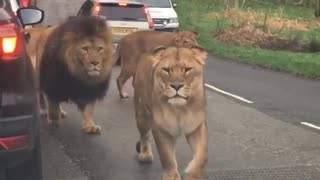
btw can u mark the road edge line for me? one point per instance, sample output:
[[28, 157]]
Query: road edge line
[[310, 125], [228, 94]]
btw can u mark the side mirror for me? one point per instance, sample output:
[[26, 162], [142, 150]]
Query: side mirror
[[174, 5], [30, 15]]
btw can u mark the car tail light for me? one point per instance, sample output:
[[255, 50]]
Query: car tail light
[[150, 21], [24, 3], [9, 42], [122, 4], [97, 9], [11, 143]]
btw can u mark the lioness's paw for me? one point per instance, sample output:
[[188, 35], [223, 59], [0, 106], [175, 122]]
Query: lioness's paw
[[124, 95], [43, 113], [63, 113], [171, 176], [145, 157], [191, 177], [53, 123], [93, 129]]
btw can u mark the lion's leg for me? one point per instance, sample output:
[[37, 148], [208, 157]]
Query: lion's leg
[[88, 124], [144, 145], [63, 113], [198, 142], [165, 144], [125, 74], [53, 115], [43, 106]]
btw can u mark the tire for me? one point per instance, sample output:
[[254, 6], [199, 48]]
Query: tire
[[31, 169]]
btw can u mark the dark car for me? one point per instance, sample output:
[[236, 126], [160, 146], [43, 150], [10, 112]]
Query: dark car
[[20, 155]]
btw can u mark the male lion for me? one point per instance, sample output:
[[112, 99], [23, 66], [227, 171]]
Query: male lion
[[76, 66], [132, 46], [170, 100]]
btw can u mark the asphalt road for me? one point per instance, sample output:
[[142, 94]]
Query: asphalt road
[[287, 97], [240, 137], [256, 141]]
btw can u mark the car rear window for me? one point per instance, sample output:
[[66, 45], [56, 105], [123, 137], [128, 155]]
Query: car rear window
[[129, 12], [157, 3]]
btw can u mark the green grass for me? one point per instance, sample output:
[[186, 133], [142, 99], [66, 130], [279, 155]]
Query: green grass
[[293, 12], [306, 36], [192, 16]]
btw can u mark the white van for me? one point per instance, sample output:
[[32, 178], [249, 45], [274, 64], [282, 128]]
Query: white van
[[163, 14]]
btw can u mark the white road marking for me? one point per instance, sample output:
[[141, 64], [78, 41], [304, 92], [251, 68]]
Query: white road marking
[[310, 125], [228, 94]]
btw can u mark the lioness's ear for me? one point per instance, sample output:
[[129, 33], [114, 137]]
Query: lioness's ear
[[200, 53], [157, 53], [195, 33]]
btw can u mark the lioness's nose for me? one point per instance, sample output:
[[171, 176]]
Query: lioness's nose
[[94, 63], [177, 86]]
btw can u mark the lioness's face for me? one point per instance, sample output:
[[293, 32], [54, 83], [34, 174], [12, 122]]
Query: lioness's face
[[185, 38], [178, 74]]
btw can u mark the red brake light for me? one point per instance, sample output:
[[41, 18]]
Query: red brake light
[[24, 3], [10, 143], [9, 42], [97, 8], [150, 21]]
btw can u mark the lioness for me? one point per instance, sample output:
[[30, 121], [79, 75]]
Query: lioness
[[132, 46], [170, 100], [36, 40], [35, 46], [75, 66]]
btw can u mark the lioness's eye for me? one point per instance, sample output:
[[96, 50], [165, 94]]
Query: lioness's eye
[[166, 70], [100, 49], [187, 69], [86, 48]]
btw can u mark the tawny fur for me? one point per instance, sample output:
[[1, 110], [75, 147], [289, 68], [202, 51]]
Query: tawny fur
[[34, 47], [76, 66], [35, 44], [132, 46], [170, 101]]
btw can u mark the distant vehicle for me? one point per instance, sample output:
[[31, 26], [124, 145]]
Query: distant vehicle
[[163, 14], [20, 154], [123, 17]]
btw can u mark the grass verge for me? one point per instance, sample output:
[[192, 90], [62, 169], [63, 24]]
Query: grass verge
[[193, 15]]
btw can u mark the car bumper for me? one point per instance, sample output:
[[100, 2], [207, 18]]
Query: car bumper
[[19, 150], [167, 30], [169, 27]]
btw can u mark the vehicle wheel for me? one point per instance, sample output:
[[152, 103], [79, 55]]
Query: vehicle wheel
[[29, 170]]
